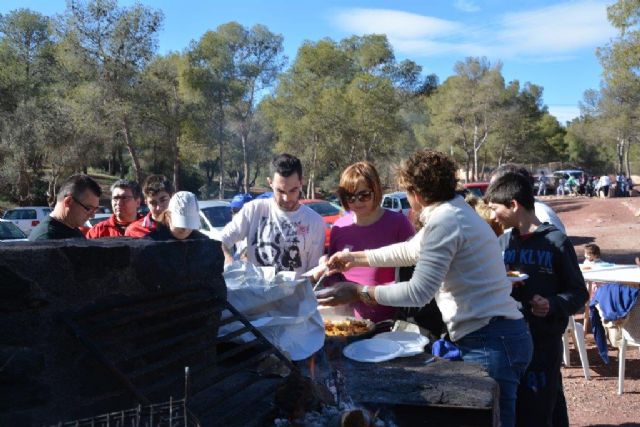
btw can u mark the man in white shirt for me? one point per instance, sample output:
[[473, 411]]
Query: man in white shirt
[[280, 231]]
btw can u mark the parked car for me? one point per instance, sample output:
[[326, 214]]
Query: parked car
[[28, 217], [97, 218], [329, 213], [396, 202], [477, 188], [214, 215], [10, 232]]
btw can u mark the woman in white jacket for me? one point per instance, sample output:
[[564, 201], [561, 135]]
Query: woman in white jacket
[[459, 263]]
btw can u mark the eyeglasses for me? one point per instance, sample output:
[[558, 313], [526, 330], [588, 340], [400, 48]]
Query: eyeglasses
[[85, 207], [121, 198], [361, 196]]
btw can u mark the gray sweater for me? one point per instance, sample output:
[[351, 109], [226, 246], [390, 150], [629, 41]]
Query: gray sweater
[[458, 261]]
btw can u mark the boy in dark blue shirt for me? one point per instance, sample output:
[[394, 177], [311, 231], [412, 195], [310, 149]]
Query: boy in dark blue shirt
[[554, 291]]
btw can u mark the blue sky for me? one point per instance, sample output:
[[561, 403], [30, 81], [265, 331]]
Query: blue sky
[[549, 43]]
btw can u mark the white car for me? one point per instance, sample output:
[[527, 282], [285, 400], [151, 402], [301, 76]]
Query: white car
[[27, 217], [214, 215], [396, 202], [99, 217], [9, 232]]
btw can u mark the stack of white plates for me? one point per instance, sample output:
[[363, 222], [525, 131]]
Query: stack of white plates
[[386, 346]]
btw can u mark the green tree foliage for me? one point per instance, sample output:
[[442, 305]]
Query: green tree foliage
[[341, 102]]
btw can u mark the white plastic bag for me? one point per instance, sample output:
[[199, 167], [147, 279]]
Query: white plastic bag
[[282, 308]]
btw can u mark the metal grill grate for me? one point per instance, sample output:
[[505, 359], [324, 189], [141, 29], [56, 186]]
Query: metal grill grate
[[168, 414]]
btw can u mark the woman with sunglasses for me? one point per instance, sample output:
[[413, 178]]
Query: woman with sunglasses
[[367, 226], [458, 262]]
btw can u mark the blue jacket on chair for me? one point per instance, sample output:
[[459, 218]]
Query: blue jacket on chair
[[615, 301]]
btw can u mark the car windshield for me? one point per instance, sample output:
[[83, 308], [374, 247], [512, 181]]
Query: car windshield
[[21, 214], [94, 221], [218, 216], [324, 208], [9, 231], [405, 203]]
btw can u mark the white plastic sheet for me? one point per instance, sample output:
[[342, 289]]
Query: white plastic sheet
[[283, 308]]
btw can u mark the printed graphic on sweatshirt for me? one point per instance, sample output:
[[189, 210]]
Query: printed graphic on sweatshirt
[[541, 258], [278, 243]]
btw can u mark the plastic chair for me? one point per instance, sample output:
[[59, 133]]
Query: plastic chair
[[578, 338], [630, 336]]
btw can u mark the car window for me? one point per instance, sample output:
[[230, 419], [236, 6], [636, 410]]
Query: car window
[[203, 224], [387, 202], [405, 203], [47, 211], [20, 214], [218, 216], [8, 231], [476, 191], [324, 209]]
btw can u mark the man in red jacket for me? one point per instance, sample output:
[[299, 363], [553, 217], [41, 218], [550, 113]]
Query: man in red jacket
[[157, 191], [125, 200]]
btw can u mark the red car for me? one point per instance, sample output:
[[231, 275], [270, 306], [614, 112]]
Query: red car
[[477, 188], [329, 213]]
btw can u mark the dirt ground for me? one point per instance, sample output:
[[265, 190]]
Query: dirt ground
[[614, 225]]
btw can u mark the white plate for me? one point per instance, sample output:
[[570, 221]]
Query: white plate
[[520, 278], [412, 342], [373, 350]]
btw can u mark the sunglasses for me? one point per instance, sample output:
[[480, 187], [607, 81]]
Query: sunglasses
[[361, 196], [85, 207]]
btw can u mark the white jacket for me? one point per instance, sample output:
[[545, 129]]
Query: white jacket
[[458, 261]]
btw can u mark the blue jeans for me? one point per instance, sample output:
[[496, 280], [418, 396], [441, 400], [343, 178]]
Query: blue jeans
[[504, 347]]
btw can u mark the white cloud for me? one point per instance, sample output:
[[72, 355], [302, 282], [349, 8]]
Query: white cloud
[[564, 113], [548, 34], [395, 23], [466, 6]]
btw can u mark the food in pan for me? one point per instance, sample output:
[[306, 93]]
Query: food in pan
[[513, 274], [345, 328]]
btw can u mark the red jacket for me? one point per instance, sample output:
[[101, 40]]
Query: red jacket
[[141, 227], [108, 228]]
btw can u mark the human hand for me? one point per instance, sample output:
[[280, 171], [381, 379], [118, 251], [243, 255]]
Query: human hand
[[338, 294], [539, 306], [339, 262]]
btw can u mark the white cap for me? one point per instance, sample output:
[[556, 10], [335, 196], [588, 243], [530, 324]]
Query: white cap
[[184, 210]]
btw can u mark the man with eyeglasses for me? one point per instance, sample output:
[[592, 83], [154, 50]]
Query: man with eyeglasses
[[77, 201], [280, 231], [125, 200], [157, 191]]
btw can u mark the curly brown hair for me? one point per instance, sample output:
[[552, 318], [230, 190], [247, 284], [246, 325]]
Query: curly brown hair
[[430, 173]]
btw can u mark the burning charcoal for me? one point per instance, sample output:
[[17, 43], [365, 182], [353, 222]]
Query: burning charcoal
[[273, 366], [299, 395]]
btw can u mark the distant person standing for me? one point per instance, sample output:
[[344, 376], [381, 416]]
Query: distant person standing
[[603, 184], [560, 187], [125, 200], [542, 184], [77, 201], [157, 190]]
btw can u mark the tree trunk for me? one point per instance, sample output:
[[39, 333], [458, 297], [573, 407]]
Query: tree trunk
[[245, 162], [176, 164], [620, 153], [132, 150], [221, 154]]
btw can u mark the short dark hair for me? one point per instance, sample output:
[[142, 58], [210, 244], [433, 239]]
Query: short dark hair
[[76, 185], [127, 183], [512, 168], [430, 173], [154, 184], [286, 165], [508, 187], [592, 248]]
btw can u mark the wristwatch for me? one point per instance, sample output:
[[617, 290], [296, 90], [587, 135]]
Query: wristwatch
[[365, 297]]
